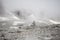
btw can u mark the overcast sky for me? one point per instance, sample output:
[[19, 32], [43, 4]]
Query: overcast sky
[[49, 8]]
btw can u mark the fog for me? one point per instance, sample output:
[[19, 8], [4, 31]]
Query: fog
[[29, 19], [39, 8]]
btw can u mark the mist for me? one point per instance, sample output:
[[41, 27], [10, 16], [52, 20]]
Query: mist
[[29, 19], [50, 8]]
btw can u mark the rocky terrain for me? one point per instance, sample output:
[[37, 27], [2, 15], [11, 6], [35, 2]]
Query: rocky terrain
[[32, 32]]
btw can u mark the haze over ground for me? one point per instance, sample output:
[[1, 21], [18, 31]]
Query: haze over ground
[[32, 20], [39, 8]]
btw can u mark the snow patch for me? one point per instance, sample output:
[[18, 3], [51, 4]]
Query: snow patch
[[54, 22]]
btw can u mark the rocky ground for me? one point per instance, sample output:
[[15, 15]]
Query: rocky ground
[[32, 32]]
